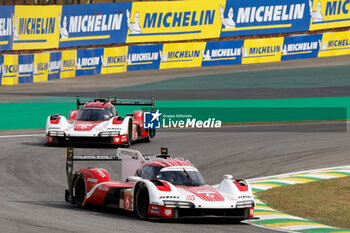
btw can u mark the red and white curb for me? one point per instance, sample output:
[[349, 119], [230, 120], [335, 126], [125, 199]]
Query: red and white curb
[[273, 219]]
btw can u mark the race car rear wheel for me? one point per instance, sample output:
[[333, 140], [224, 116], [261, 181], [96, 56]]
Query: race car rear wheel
[[142, 201], [129, 134], [80, 193]]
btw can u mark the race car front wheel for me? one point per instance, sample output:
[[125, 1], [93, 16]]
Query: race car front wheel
[[80, 193], [142, 201]]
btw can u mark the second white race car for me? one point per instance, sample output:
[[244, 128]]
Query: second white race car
[[98, 121]]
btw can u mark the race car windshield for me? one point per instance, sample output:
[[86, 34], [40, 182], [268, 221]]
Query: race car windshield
[[95, 114], [184, 177]]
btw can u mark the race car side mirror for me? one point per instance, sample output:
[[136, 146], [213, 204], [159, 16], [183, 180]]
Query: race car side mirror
[[228, 177]]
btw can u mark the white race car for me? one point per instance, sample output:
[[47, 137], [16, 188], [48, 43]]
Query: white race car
[[97, 121], [157, 187]]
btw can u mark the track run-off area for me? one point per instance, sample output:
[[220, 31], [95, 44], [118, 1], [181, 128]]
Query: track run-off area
[[33, 177]]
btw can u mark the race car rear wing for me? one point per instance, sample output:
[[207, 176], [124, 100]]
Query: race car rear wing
[[131, 161], [70, 166], [113, 100]]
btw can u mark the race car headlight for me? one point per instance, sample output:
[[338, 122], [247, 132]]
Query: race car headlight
[[109, 133], [245, 204], [57, 133], [178, 204]]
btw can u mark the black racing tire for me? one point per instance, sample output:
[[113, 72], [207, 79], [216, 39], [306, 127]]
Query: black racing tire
[[80, 191], [148, 138], [142, 201], [151, 134], [130, 129]]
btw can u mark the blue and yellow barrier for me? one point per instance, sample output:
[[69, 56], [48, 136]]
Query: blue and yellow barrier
[[44, 27], [29, 68]]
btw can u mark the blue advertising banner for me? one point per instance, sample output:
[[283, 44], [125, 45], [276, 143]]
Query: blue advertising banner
[[25, 68], [222, 53], [298, 47], [55, 66], [88, 61], [251, 17], [144, 57], [6, 27], [1, 68], [81, 25]]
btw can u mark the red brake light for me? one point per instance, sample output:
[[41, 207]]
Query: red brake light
[[251, 212]]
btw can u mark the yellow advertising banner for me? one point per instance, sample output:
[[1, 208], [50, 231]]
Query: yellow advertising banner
[[10, 70], [36, 27], [114, 60], [334, 44], [174, 20], [180, 55], [329, 14], [68, 63], [262, 50], [41, 67]]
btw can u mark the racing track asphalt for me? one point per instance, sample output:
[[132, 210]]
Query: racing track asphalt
[[33, 176], [32, 180]]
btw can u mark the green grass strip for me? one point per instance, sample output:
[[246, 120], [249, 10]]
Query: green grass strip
[[261, 205], [282, 220], [307, 177], [340, 173], [275, 211], [323, 230], [270, 182], [257, 190]]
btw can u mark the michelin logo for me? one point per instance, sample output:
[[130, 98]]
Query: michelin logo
[[112, 60], [166, 56], [9, 69], [334, 44], [38, 68], [336, 7], [227, 22], [6, 27], [221, 53], [316, 15], [63, 28], [54, 65], [87, 61], [26, 68], [34, 26], [142, 57], [297, 47], [134, 27], [68, 64], [270, 13], [15, 26], [90, 23], [177, 19], [323, 47], [206, 56]]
